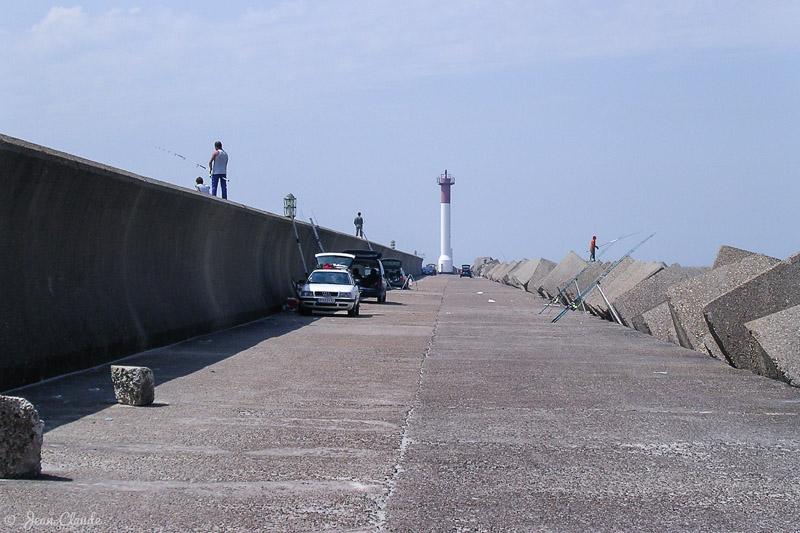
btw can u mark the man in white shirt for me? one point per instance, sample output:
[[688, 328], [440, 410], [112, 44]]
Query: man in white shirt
[[218, 165]]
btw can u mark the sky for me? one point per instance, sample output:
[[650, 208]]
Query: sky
[[558, 119]]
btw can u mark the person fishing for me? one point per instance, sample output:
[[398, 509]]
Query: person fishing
[[218, 167], [592, 247], [359, 223]]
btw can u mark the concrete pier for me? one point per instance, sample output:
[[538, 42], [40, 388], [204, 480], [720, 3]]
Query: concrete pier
[[454, 407]]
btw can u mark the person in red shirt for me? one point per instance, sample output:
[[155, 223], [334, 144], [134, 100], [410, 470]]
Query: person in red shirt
[[592, 247]]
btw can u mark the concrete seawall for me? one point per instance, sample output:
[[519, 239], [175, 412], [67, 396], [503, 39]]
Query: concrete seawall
[[99, 263]]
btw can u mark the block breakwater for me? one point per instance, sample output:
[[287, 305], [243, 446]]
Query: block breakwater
[[744, 309]]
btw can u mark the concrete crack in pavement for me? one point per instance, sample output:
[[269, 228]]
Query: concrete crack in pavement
[[405, 433]]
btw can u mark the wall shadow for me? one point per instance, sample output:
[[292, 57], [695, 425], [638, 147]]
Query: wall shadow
[[73, 396]]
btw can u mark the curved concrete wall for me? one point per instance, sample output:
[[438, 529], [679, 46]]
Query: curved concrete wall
[[98, 263]]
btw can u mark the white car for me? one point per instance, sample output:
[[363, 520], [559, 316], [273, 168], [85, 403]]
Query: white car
[[330, 289]]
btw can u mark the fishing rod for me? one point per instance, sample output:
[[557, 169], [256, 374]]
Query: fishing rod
[[599, 279], [615, 240], [574, 280], [314, 227], [182, 157]]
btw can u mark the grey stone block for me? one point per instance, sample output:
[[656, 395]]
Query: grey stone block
[[511, 278], [534, 281], [507, 278], [562, 274], [133, 385], [482, 269], [728, 255], [498, 273], [594, 301], [687, 299], [769, 292], [652, 292], [523, 272], [586, 277], [778, 336], [20, 438], [492, 272], [618, 286], [658, 323]]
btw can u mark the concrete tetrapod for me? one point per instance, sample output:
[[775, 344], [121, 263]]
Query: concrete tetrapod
[[652, 292], [510, 278], [778, 336], [562, 274], [727, 255], [544, 267], [658, 323], [687, 300], [771, 291], [631, 277]]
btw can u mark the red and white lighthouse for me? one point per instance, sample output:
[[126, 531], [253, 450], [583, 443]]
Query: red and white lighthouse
[[446, 257]]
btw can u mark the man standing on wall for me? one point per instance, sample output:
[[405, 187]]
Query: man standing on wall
[[592, 247], [218, 166], [359, 222]]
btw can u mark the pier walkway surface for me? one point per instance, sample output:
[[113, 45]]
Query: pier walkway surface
[[453, 407]]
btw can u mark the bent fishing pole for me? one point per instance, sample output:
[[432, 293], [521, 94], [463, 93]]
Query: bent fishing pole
[[596, 282], [574, 280]]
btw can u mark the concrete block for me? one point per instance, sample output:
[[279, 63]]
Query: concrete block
[[652, 292], [687, 300], [594, 301], [562, 274], [619, 285], [543, 268], [20, 438], [778, 337], [586, 277], [658, 323], [483, 268], [500, 273], [492, 272], [511, 278], [728, 255], [133, 385], [771, 291], [506, 277], [524, 272]]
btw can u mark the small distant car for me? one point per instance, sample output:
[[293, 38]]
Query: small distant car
[[394, 272], [329, 289], [466, 271], [429, 270]]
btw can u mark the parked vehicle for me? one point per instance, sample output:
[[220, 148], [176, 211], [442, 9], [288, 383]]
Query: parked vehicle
[[429, 270], [369, 274], [394, 272], [466, 271], [329, 289]]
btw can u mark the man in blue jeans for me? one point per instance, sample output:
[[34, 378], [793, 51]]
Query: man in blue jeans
[[219, 170]]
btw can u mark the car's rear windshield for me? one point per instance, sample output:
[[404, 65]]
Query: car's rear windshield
[[365, 268], [330, 278], [333, 260]]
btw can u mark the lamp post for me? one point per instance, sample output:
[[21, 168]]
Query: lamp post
[[289, 210]]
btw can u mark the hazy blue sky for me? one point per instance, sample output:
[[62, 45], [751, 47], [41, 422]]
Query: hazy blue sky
[[559, 119]]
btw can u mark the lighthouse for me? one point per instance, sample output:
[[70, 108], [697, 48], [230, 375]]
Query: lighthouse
[[446, 257]]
